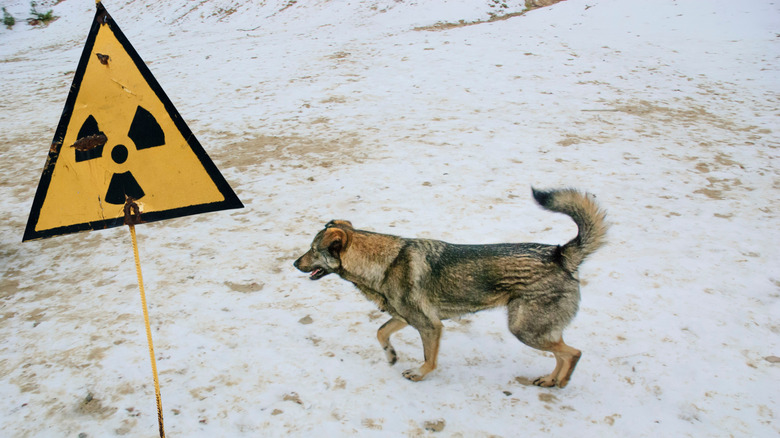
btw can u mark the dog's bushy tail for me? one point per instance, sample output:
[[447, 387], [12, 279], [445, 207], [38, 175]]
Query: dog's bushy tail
[[590, 220]]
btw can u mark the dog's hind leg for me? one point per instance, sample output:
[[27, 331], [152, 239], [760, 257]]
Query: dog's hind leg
[[534, 330], [384, 333], [566, 358], [431, 336]]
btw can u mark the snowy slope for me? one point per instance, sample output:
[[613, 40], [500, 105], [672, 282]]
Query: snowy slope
[[417, 118]]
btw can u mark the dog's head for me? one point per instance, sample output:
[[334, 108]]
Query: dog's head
[[324, 257]]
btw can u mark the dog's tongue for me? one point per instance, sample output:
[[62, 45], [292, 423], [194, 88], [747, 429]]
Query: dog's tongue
[[315, 272]]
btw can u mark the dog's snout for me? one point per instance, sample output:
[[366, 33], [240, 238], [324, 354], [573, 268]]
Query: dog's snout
[[301, 264]]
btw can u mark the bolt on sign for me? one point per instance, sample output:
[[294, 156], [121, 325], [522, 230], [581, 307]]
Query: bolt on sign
[[120, 137]]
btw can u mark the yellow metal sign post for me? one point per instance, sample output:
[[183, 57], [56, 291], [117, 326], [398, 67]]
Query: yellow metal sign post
[[133, 217], [122, 155]]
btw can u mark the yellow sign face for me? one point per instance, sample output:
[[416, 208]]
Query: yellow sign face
[[120, 136]]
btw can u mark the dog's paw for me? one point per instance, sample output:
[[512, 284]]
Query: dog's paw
[[391, 355], [545, 382], [414, 375]]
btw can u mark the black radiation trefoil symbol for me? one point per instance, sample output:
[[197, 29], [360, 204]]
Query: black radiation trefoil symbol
[[145, 133]]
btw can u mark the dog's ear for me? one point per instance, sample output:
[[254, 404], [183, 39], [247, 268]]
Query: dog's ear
[[335, 239], [339, 223]]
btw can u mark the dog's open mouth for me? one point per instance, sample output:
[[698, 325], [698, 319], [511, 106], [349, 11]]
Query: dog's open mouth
[[318, 273]]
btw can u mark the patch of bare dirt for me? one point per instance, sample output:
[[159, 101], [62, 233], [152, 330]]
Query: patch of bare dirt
[[690, 115], [529, 6], [322, 152], [94, 407], [215, 12], [718, 187]]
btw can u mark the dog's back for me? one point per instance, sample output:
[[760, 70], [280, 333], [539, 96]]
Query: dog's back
[[467, 278]]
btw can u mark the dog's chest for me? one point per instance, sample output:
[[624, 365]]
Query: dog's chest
[[378, 299]]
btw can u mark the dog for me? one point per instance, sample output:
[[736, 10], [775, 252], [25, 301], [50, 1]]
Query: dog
[[421, 282]]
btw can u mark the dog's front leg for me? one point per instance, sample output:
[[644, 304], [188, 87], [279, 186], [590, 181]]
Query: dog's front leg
[[431, 336], [383, 334]]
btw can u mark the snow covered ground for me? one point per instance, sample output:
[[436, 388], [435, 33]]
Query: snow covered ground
[[417, 118]]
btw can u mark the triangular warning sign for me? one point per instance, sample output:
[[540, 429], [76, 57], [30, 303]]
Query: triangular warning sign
[[120, 136]]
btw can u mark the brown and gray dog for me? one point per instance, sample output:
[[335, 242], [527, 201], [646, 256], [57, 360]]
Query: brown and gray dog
[[421, 282]]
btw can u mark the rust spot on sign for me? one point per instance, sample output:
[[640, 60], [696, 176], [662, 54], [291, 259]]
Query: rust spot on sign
[[102, 58], [89, 142]]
